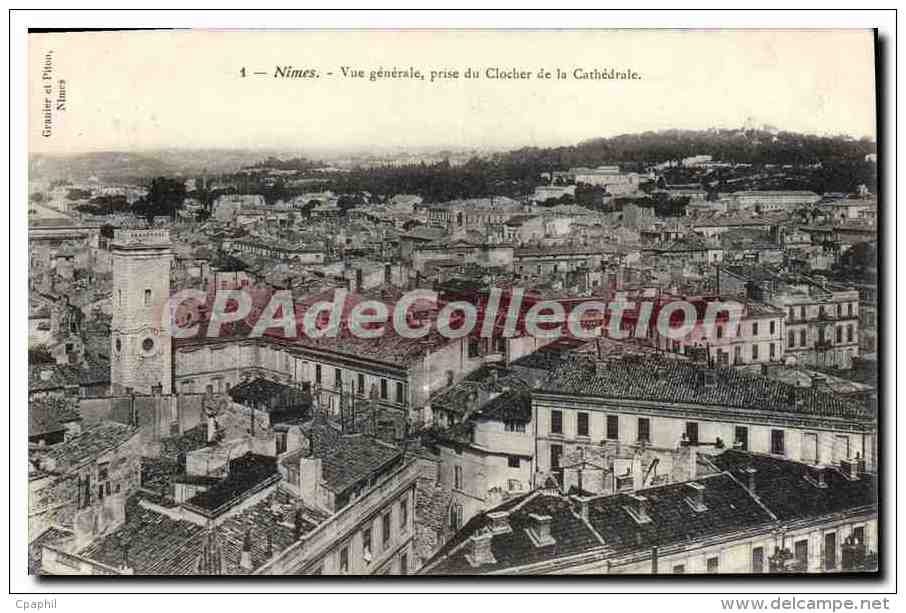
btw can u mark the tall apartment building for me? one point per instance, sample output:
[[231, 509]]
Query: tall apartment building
[[822, 318]]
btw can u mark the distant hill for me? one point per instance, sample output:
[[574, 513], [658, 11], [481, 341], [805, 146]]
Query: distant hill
[[112, 166], [752, 146]]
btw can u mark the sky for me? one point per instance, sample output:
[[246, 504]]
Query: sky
[[135, 91]]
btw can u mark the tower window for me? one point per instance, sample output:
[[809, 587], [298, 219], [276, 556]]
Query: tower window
[[147, 297], [119, 345], [147, 344]]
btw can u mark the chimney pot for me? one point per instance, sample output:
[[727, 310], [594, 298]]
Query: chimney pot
[[638, 509], [817, 476], [500, 523], [479, 552], [540, 530], [696, 497], [850, 469]]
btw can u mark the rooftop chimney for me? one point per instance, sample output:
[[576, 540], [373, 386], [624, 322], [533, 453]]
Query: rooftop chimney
[[638, 509], [500, 523], [696, 497], [851, 468], [540, 530], [817, 476], [479, 549]]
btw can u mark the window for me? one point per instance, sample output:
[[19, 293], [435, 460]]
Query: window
[[692, 432], [318, 374], [147, 297], [720, 331], [741, 438], [773, 351], [457, 477], [777, 442], [792, 339], [859, 534], [400, 399], [737, 355], [455, 517], [644, 429], [404, 563], [802, 312], [713, 565], [800, 553], [383, 389], [367, 544], [582, 424], [773, 326], [613, 427], [404, 516], [754, 352], [679, 569], [147, 344], [839, 335], [119, 297], [850, 309], [802, 340], [810, 447], [513, 461], [556, 452], [849, 333], [344, 559], [337, 376], [841, 448], [360, 383], [754, 328], [830, 551], [385, 530], [758, 560], [556, 422]]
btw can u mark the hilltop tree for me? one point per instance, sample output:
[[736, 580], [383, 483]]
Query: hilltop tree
[[165, 197]]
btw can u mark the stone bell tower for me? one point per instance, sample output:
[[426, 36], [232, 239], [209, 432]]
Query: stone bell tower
[[140, 353]]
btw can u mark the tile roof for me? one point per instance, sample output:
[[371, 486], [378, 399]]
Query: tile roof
[[160, 545], [94, 441], [509, 406], [44, 377], [782, 487], [346, 459], [612, 531], [655, 379], [247, 473], [50, 414]]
